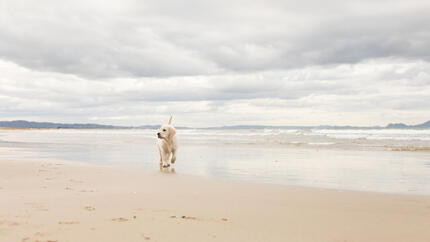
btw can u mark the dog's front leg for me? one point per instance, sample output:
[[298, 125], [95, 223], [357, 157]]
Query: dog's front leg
[[165, 159], [161, 156]]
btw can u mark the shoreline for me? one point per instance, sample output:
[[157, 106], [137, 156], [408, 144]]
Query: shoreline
[[31, 156], [128, 168], [51, 200], [255, 157]]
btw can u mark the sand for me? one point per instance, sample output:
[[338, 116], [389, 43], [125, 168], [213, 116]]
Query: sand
[[52, 200]]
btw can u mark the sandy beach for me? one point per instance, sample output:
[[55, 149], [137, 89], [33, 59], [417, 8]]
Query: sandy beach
[[276, 121], [51, 200]]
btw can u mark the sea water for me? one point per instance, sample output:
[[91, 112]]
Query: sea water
[[378, 160]]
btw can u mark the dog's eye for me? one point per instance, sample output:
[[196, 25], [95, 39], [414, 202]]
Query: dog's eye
[[164, 130]]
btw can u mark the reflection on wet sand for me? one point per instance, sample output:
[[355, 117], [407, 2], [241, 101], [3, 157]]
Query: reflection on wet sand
[[343, 159], [167, 170]]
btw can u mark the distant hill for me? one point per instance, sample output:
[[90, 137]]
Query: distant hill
[[397, 126], [424, 125], [389, 126], [291, 127], [404, 126], [48, 125]]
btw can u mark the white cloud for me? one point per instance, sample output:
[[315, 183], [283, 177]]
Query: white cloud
[[99, 39], [215, 62], [366, 93]]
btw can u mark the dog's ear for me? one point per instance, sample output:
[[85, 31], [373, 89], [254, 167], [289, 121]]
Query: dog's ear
[[170, 120], [172, 132]]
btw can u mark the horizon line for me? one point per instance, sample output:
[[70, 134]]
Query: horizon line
[[243, 126]]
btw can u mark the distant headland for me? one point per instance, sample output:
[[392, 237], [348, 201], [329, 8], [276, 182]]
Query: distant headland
[[49, 125]]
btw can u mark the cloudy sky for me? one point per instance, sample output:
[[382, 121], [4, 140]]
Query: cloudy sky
[[210, 63]]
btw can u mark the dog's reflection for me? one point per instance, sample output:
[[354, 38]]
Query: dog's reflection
[[167, 170]]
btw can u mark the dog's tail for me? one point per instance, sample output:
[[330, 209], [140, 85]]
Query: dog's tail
[[170, 120]]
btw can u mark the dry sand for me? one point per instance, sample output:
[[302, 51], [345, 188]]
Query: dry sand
[[55, 201]]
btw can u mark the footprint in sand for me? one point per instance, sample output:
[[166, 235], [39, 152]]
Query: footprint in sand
[[68, 222], [28, 239], [86, 191], [194, 218], [89, 208], [184, 217], [38, 234], [188, 217], [119, 219], [9, 223], [37, 206], [145, 237]]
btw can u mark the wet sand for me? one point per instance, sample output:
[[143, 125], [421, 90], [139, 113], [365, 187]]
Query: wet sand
[[51, 200]]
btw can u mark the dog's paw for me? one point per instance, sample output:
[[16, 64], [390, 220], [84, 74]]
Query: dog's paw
[[166, 165]]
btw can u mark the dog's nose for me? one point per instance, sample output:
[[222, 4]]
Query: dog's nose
[[158, 133]]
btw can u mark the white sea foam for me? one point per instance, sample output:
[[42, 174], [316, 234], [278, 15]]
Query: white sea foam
[[321, 143], [340, 138], [341, 159], [375, 134]]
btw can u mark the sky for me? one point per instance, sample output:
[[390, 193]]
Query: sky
[[214, 63]]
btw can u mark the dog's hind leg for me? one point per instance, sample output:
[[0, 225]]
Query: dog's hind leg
[[173, 156]]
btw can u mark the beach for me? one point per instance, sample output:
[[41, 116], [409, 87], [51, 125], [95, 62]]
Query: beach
[[246, 185], [53, 200], [229, 121], [388, 161]]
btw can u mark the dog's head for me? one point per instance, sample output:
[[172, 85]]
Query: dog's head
[[166, 131]]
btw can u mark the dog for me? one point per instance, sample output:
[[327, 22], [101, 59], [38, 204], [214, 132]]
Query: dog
[[167, 144]]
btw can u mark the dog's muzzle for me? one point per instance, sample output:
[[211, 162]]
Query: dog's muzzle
[[158, 135]]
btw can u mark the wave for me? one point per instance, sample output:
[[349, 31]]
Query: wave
[[387, 139], [349, 134], [375, 134]]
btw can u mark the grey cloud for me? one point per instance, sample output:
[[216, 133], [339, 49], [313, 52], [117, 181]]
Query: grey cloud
[[183, 38], [267, 61], [357, 80]]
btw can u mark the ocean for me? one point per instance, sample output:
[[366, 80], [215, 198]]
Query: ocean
[[375, 160]]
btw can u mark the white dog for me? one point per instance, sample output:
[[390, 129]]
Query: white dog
[[166, 143]]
